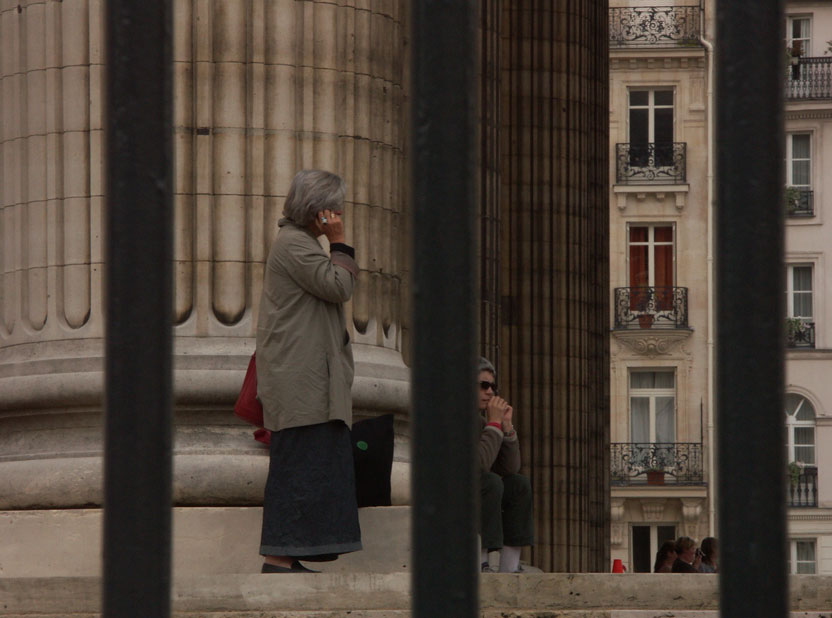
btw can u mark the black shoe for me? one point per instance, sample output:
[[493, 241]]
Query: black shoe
[[273, 568], [297, 567]]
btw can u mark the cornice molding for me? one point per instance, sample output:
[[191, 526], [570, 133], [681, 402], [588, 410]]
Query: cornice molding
[[657, 63], [808, 114]]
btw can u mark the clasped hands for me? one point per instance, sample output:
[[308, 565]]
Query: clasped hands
[[499, 411]]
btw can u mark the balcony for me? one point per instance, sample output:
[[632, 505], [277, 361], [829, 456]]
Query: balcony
[[803, 489], [648, 463], [800, 333], [659, 307], [650, 163], [800, 202], [809, 79], [654, 26]]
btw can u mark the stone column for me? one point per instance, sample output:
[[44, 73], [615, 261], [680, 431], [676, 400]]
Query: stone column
[[263, 89], [554, 270]]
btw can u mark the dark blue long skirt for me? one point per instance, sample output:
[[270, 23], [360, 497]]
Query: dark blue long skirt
[[309, 505]]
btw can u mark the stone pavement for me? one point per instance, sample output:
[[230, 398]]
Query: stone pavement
[[367, 595]]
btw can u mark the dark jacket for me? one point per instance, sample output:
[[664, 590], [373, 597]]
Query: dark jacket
[[498, 453]]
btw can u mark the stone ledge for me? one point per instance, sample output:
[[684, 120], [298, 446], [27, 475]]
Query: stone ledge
[[370, 595]]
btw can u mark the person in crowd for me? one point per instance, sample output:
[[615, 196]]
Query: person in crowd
[[665, 558], [304, 375], [506, 522], [687, 556], [710, 556]]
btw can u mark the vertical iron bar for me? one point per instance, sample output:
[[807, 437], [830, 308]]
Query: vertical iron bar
[[445, 577], [750, 311], [139, 227]]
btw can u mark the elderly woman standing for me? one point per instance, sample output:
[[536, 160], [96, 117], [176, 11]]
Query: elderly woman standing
[[304, 375]]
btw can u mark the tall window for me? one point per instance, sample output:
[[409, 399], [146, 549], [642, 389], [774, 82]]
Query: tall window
[[799, 291], [800, 429], [800, 34], [651, 256], [646, 543], [799, 160], [653, 406], [651, 122], [802, 560]]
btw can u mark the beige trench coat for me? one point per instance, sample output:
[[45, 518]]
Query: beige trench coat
[[304, 358]]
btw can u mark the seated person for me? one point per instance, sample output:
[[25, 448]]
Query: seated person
[[506, 515]]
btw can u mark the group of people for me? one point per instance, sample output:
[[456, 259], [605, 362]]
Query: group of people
[[304, 377], [683, 556]]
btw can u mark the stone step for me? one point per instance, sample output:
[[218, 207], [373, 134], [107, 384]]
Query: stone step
[[366, 595]]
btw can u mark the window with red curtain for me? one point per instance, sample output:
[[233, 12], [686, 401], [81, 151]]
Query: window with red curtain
[[651, 250]]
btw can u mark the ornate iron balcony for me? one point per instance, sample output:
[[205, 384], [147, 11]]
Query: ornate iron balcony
[[651, 307], [810, 78], [674, 463], [800, 333], [800, 202], [654, 26], [804, 492], [661, 162]]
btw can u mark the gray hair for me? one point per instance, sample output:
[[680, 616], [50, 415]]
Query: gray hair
[[311, 192], [485, 365]]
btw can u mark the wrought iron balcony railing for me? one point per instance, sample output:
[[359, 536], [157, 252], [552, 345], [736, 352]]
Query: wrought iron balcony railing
[[654, 26], [800, 202], [646, 163], [800, 333], [651, 307], [810, 78], [804, 492], [672, 463]]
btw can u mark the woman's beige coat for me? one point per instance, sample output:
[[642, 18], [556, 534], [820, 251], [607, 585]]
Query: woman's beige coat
[[304, 358]]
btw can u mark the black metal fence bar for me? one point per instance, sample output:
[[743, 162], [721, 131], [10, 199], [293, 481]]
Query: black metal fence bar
[[803, 490], [445, 560], [654, 26], [800, 333], [137, 469], [810, 79], [749, 308], [651, 163], [651, 307]]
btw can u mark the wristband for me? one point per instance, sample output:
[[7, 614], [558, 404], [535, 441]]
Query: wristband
[[496, 424]]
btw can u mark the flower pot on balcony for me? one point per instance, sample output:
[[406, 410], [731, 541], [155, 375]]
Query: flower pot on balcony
[[655, 477], [645, 320]]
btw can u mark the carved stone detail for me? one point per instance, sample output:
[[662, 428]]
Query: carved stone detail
[[653, 509], [691, 511], [653, 344], [618, 526]]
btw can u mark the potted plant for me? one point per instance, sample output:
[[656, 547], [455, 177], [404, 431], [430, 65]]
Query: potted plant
[[792, 199], [655, 476], [645, 320], [794, 330], [795, 470]]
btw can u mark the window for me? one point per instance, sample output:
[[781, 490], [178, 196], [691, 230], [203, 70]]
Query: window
[[799, 160], [646, 543], [802, 559], [800, 35], [800, 429], [653, 407], [651, 257], [799, 291], [651, 122]]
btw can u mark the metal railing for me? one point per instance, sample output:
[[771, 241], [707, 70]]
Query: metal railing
[[654, 26], [656, 463], [658, 307], [800, 333], [803, 490], [646, 163], [809, 78], [800, 202]]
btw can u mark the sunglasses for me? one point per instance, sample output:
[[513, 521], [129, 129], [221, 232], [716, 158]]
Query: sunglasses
[[485, 385]]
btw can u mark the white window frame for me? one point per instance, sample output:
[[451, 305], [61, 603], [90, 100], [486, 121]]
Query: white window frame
[[651, 243], [654, 538], [652, 394], [793, 555], [806, 40], [790, 291], [793, 423], [651, 106], [790, 158]]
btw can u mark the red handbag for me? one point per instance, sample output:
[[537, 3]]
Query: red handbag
[[248, 407]]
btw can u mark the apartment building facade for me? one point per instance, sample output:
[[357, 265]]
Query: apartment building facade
[[663, 334]]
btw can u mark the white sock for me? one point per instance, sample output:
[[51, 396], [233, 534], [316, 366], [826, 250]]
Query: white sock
[[484, 557], [509, 559]]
